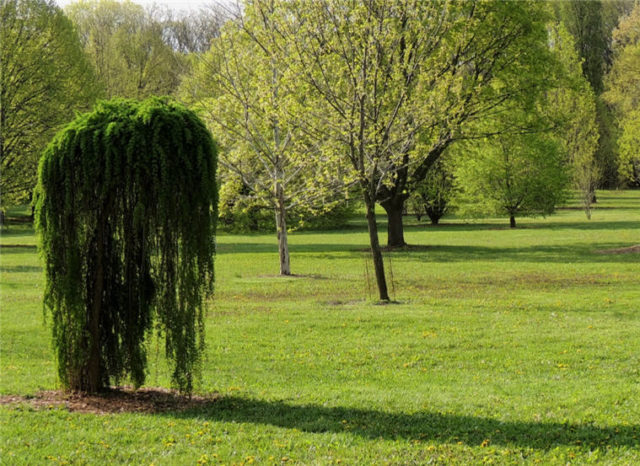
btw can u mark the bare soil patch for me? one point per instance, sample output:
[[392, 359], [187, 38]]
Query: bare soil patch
[[115, 400], [629, 250]]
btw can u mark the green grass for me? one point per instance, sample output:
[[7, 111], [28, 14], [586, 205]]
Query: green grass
[[507, 346]]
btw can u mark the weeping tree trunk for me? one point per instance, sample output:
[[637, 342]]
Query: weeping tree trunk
[[395, 227], [281, 225], [512, 221], [376, 252], [94, 363]]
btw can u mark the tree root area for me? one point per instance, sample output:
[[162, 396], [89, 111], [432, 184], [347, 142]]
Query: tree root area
[[113, 400]]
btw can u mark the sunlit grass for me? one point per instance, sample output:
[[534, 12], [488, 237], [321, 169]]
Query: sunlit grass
[[505, 346]]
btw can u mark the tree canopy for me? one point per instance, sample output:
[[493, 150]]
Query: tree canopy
[[44, 78], [623, 91], [126, 45], [126, 211]]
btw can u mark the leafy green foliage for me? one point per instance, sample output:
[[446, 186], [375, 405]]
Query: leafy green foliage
[[432, 195], [44, 78], [247, 92], [126, 209], [623, 91], [584, 20], [572, 105], [126, 45], [518, 175]]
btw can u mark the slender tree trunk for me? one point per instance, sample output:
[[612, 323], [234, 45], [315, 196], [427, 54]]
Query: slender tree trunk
[[93, 383], [395, 227], [512, 221], [376, 252], [281, 225]]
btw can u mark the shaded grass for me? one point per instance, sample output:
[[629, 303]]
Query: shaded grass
[[507, 346]]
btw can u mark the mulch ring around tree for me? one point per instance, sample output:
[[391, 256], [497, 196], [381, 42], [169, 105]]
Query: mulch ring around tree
[[115, 400], [630, 250]]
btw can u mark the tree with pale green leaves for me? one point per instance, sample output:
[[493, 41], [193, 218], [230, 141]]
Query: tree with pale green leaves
[[246, 90], [572, 106], [44, 79], [515, 175], [623, 92], [126, 46], [388, 85]]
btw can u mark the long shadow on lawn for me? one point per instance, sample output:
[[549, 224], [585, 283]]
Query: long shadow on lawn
[[19, 269], [480, 226], [421, 426], [571, 253]]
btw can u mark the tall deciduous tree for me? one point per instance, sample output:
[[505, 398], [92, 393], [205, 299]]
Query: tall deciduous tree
[[127, 47], [572, 105], [44, 78], [244, 87], [384, 77], [591, 23], [126, 210], [623, 91]]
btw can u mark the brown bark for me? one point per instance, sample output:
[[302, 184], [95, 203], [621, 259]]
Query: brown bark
[[376, 252], [512, 221]]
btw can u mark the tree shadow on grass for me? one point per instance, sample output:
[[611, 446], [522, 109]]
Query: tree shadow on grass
[[19, 269], [470, 430], [542, 225], [566, 254], [573, 253], [367, 423]]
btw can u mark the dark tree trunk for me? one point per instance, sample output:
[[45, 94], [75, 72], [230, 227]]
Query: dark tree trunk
[[376, 252], [434, 220], [395, 227], [93, 382], [512, 221]]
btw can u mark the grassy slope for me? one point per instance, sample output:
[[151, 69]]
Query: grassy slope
[[507, 346]]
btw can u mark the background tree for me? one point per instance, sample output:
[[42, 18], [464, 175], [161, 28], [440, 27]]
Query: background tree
[[572, 106], [126, 211], [591, 23], [44, 77], [433, 195], [243, 86], [127, 47], [516, 175], [623, 92], [191, 32]]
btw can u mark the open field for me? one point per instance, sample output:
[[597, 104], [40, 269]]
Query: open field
[[505, 346]]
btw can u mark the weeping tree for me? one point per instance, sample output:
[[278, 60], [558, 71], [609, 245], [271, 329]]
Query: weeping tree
[[126, 208]]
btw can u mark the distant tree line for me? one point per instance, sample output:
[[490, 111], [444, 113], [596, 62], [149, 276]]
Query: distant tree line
[[485, 107]]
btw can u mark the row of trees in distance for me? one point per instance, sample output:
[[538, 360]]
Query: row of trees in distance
[[494, 107]]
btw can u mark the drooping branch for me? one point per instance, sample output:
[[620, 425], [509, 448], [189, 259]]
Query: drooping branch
[[126, 211]]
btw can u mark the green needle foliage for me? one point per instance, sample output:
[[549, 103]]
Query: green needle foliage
[[126, 211]]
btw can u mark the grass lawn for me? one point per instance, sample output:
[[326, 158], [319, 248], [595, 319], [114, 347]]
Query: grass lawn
[[506, 346]]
